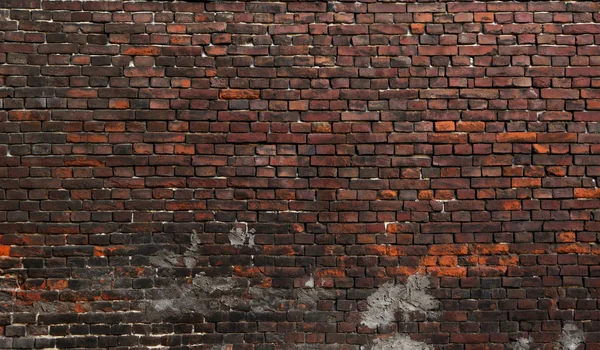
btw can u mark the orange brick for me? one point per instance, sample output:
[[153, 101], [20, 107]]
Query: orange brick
[[333, 272], [247, 271], [574, 248], [235, 94], [564, 237], [4, 250], [587, 193], [400, 251], [444, 194], [470, 126], [141, 51], [83, 161], [448, 261], [527, 137], [366, 239], [57, 284], [99, 251], [489, 249], [508, 260], [557, 170], [448, 249], [445, 126], [425, 194], [81, 308], [387, 194], [321, 127], [417, 28], [542, 149], [298, 105], [429, 261]]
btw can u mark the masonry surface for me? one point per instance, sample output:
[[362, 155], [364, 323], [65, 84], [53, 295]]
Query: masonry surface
[[300, 175]]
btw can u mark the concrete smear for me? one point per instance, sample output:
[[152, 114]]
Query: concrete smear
[[520, 344], [392, 297], [164, 258], [274, 299], [206, 294], [212, 284], [176, 301], [398, 342], [242, 236], [571, 337], [167, 258], [203, 295]]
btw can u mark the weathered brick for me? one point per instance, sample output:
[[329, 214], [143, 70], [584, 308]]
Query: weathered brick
[[248, 174]]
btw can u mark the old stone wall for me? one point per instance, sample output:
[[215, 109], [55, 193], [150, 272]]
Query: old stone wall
[[299, 175]]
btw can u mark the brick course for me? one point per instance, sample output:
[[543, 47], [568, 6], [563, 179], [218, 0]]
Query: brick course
[[244, 175]]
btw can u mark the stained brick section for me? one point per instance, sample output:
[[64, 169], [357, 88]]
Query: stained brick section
[[297, 155]]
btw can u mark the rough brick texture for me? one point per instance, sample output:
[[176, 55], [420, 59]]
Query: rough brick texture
[[256, 175]]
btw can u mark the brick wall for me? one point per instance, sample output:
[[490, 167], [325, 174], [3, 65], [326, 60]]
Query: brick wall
[[299, 175]]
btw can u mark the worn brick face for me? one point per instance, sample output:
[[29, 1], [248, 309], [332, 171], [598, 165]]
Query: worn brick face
[[245, 175]]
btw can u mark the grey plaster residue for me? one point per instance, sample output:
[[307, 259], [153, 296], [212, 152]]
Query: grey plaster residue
[[520, 344], [270, 299], [391, 298], [164, 258], [175, 301], [167, 258], [571, 337], [242, 236], [210, 285], [398, 342], [203, 295]]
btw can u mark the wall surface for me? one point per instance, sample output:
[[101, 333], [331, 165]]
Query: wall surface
[[300, 175]]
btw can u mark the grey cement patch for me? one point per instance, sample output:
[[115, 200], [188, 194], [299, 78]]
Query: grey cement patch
[[571, 337], [520, 344], [391, 298], [176, 301], [210, 285], [166, 258], [303, 299], [205, 294], [398, 342], [242, 236]]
